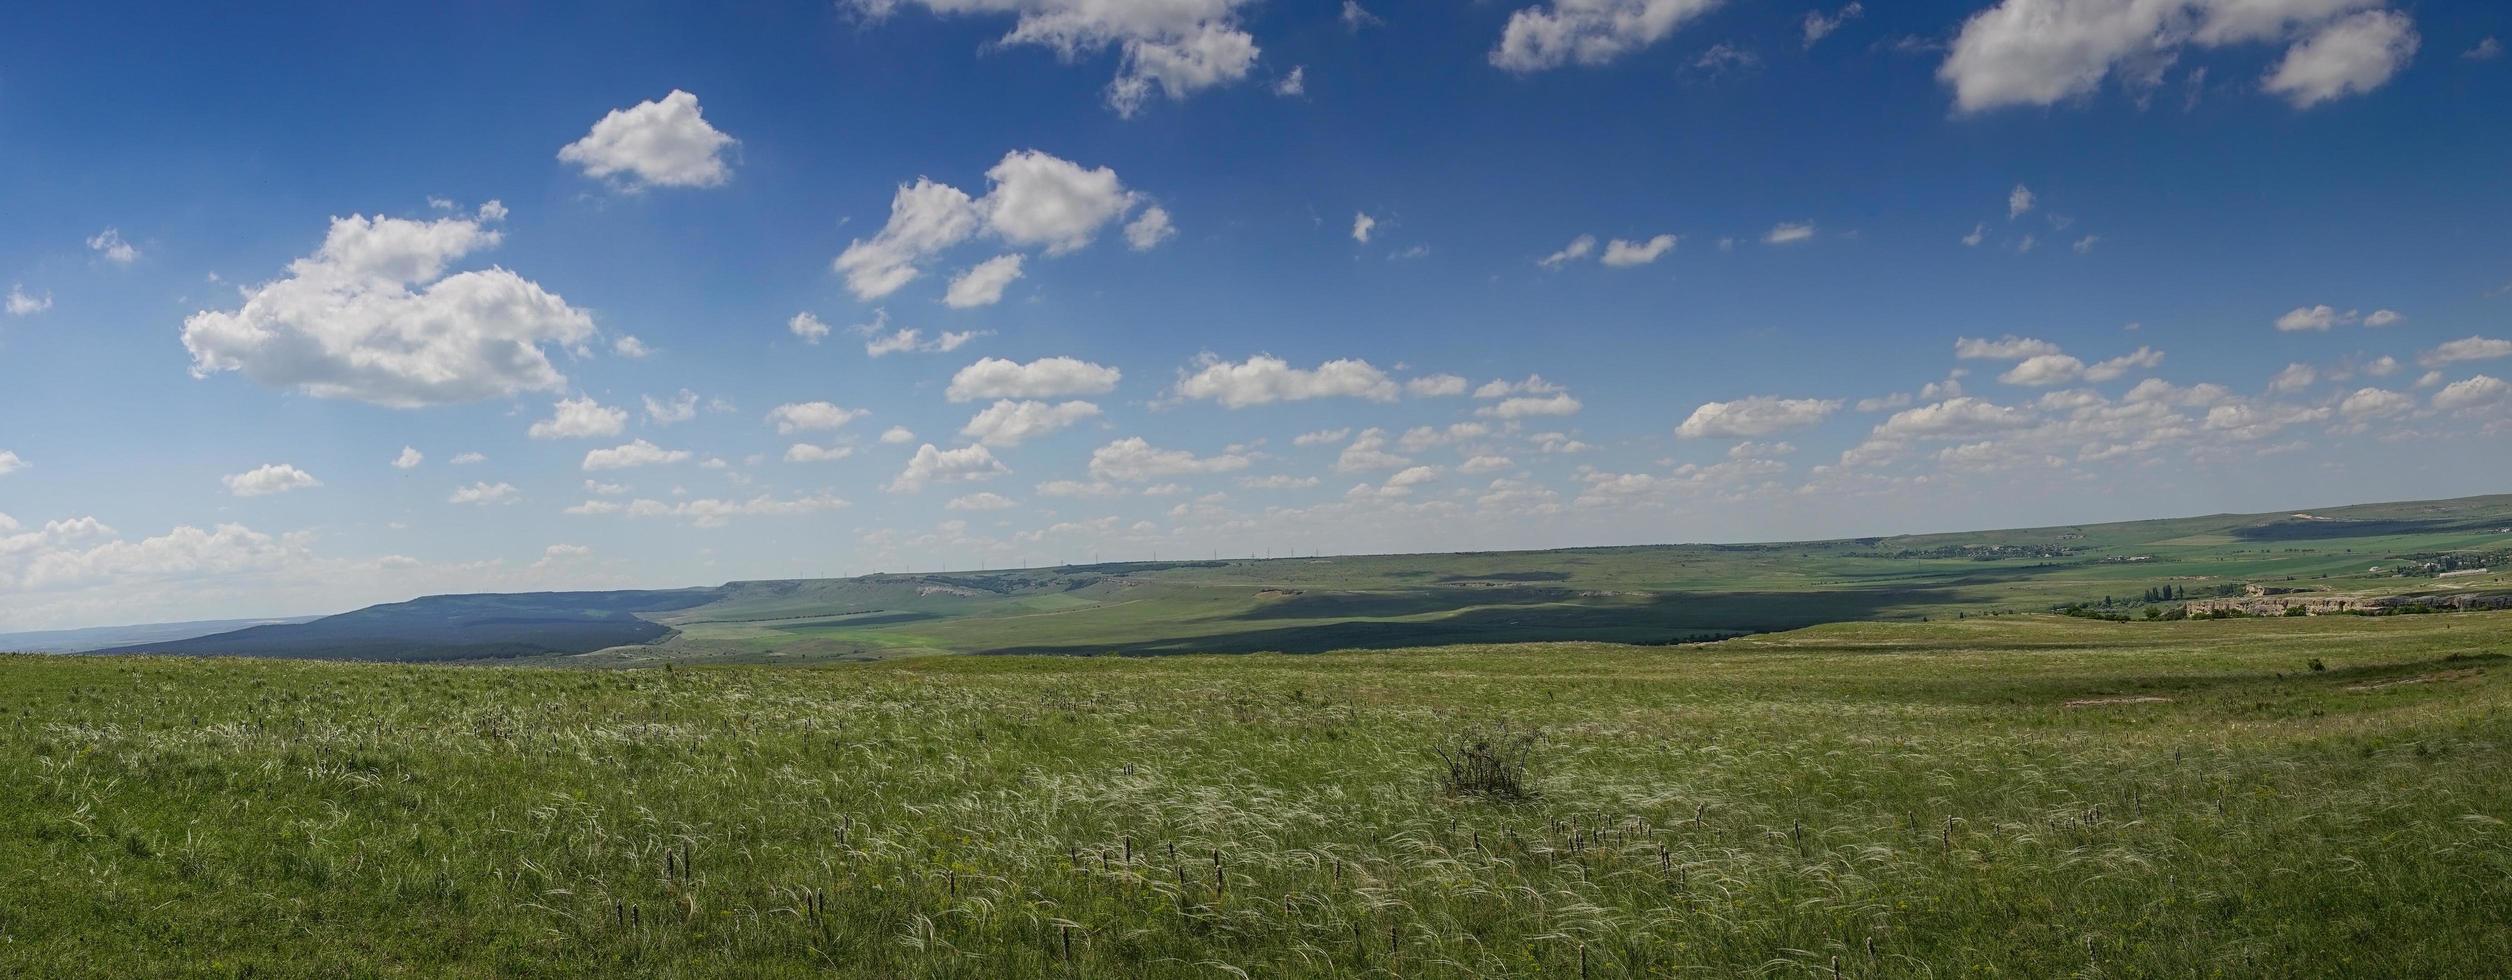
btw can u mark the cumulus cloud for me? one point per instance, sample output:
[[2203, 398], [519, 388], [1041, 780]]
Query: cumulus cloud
[[1588, 32], [1789, 233], [1623, 254], [1579, 248], [804, 452], [484, 493], [794, 417], [410, 458], [1435, 386], [665, 143], [2041, 370], [1531, 406], [1264, 379], [23, 303], [372, 316], [580, 418], [2006, 348], [711, 512], [807, 327], [638, 453], [1753, 417], [984, 500], [1035, 200], [2375, 403], [1953, 418], [1368, 451], [109, 244], [2466, 349], [2042, 52], [1133, 460], [1046, 377], [1149, 229], [896, 435], [269, 478], [1362, 226], [2477, 392], [933, 465], [2018, 201], [666, 411], [1176, 48], [630, 347], [1819, 25], [983, 283], [2354, 55], [2141, 359], [1009, 423]]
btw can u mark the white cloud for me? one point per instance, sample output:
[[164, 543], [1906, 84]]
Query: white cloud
[[1369, 452], [638, 453], [2384, 318], [896, 435], [1588, 32], [22, 303], [1278, 481], [1132, 460], [345, 322], [1623, 254], [1009, 423], [807, 327], [1760, 415], [1076, 488], [1530, 406], [2295, 377], [410, 458], [109, 243], [2141, 359], [1964, 417], [2375, 403], [2006, 348], [2354, 55], [794, 417], [1435, 386], [665, 143], [931, 465], [2466, 349], [1264, 379], [679, 408], [1579, 248], [804, 452], [2312, 318], [1362, 225], [1035, 200], [1786, 233], [483, 493], [1533, 385], [1292, 84], [1178, 47], [466, 459], [2476, 392], [1043, 200], [2084, 246], [1046, 377], [269, 478], [986, 500], [910, 340], [983, 283], [1354, 17], [2042, 370], [580, 418], [630, 347], [1321, 437], [710, 512], [2486, 49], [1979, 231], [2042, 52], [1149, 229], [1819, 25], [1485, 464]]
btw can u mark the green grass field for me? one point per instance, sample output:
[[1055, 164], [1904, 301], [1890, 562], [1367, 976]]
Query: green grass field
[[2027, 796]]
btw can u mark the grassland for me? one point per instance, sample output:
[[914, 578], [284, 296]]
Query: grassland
[[2027, 796]]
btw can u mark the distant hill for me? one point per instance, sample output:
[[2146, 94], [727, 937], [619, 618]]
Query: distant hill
[[106, 637], [454, 627], [1654, 594]]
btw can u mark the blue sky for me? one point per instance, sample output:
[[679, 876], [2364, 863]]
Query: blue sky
[[1847, 271]]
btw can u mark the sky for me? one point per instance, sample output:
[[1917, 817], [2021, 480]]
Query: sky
[[315, 306]]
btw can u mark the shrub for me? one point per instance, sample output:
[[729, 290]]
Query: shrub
[[1487, 760]]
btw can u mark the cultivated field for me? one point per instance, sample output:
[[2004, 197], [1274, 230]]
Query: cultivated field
[[2019, 796]]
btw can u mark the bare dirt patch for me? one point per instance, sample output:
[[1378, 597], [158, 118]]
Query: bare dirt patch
[[2463, 674]]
